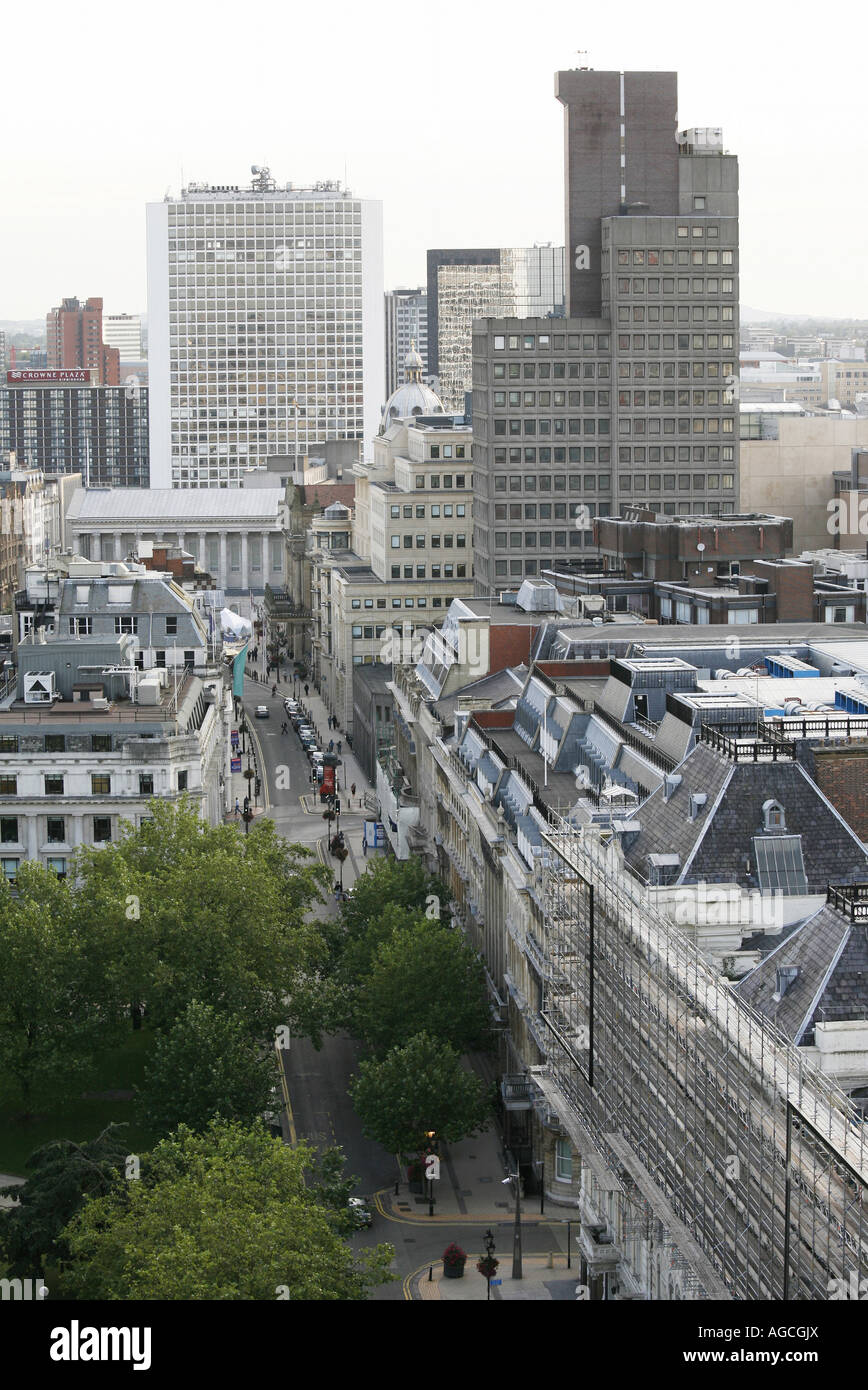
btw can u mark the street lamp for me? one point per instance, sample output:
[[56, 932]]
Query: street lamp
[[430, 1137], [489, 1255], [516, 1233]]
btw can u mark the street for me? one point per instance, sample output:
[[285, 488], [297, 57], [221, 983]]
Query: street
[[316, 1082]]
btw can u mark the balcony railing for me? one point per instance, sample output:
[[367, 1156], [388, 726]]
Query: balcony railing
[[849, 898], [517, 1092]]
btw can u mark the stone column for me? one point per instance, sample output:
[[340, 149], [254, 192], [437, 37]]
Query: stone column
[[223, 577], [203, 550], [245, 575], [118, 545]]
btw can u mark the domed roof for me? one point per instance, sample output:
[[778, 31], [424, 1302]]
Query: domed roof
[[413, 397]]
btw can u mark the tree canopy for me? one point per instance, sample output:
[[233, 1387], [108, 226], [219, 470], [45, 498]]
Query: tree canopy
[[61, 1175], [424, 978], [205, 1065], [414, 1089], [178, 910], [220, 1215]]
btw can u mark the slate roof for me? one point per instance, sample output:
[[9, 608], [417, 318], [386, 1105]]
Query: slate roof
[[718, 846], [831, 955], [832, 852], [666, 828]]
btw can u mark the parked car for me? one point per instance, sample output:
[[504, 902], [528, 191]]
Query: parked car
[[262, 711], [359, 1212], [291, 706]]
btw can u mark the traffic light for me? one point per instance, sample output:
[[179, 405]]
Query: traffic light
[[258, 785]]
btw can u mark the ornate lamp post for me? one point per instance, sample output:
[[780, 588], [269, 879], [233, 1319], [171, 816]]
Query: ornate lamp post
[[516, 1232]]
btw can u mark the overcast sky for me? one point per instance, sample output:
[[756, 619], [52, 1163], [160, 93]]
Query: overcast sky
[[444, 110]]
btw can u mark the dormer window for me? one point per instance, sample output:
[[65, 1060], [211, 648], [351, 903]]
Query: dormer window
[[773, 816]]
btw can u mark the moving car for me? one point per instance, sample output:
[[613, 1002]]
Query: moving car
[[262, 711]]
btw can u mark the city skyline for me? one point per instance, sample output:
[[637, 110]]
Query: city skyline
[[80, 227]]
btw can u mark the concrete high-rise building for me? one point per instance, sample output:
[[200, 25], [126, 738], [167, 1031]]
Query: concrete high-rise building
[[124, 332], [463, 285], [406, 328], [265, 327], [631, 399], [74, 334], [63, 422]]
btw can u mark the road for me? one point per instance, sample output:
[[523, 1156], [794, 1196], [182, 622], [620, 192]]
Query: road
[[317, 1082]]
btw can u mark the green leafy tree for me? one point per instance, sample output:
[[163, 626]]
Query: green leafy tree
[[332, 1187], [61, 1175], [414, 1089], [403, 882], [424, 978], [51, 1025], [180, 910], [219, 1215], [205, 1065]]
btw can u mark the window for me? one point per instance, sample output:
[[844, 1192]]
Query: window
[[80, 627], [146, 784], [58, 866], [101, 743], [55, 830], [10, 868], [100, 784], [55, 743], [182, 781], [126, 624], [102, 829], [171, 627], [9, 830], [9, 786], [563, 1160]]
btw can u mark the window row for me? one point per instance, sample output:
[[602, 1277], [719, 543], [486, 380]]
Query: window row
[[450, 542], [449, 571], [588, 453], [527, 426], [547, 371], [531, 342], [418, 510], [589, 399], [446, 480], [676, 313]]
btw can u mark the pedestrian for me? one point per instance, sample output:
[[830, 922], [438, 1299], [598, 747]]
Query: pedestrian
[[305, 692], [237, 807], [274, 690], [353, 789], [331, 744], [365, 848], [340, 748]]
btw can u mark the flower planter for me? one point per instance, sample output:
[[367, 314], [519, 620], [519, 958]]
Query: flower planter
[[455, 1271]]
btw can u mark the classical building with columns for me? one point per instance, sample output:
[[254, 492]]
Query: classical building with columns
[[236, 534]]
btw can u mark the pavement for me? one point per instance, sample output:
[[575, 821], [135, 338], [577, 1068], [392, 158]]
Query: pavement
[[470, 1197]]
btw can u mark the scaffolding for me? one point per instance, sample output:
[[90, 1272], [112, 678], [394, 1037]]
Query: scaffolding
[[760, 1157]]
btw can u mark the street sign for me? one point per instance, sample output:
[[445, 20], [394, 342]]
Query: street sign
[[495, 1281], [234, 738], [235, 765]]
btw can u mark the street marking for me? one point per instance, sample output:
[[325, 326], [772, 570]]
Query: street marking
[[293, 1138]]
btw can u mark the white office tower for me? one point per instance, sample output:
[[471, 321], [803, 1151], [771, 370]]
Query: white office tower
[[124, 332], [265, 327]]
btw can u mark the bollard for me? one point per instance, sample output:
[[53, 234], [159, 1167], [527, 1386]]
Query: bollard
[[430, 1274]]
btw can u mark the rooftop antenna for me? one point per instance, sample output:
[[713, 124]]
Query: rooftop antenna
[[583, 53]]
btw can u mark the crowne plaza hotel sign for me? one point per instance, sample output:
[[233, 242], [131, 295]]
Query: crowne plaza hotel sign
[[59, 376]]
